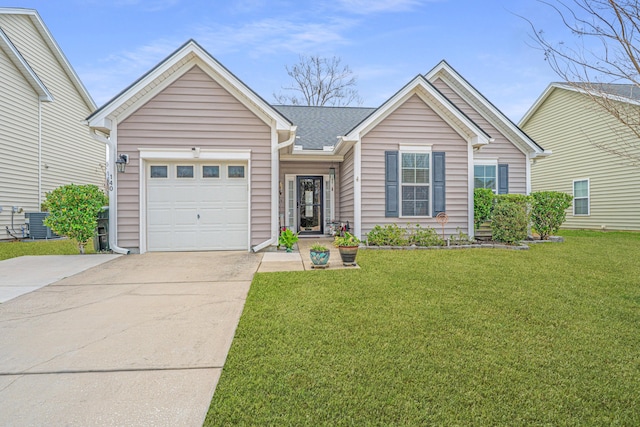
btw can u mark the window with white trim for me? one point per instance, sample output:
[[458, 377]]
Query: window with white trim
[[581, 197], [415, 179], [485, 175]]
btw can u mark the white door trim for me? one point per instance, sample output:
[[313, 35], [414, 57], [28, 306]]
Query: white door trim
[[326, 182], [149, 155]]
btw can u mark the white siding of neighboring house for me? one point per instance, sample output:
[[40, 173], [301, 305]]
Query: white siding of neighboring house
[[414, 122], [69, 154], [568, 124], [501, 149], [19, 141], [194, 111]]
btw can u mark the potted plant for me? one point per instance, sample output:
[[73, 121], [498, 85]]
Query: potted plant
[[347, 244], [319, 255], [287, 239]]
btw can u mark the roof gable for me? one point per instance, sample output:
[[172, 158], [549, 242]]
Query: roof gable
[[23, 66], [485, 108], [168, 71], [626, 93], [421, 87], [44, 32]]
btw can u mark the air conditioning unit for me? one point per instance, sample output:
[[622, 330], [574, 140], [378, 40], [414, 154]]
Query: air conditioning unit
[[35, 226]]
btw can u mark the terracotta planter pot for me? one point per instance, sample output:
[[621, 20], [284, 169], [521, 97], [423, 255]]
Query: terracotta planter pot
[[348, 254], [319, 257]]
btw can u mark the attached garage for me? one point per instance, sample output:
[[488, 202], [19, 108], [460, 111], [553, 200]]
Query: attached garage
[[197, 206]]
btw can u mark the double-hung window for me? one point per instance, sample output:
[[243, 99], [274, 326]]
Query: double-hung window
[[485, 175], [581, 197], [415, 175]]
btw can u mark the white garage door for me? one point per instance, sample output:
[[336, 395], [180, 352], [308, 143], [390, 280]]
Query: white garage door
[[197, 206]]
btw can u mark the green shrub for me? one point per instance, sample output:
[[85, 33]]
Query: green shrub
[[548, 211], [460, 238], [389, 235], [483, 199], [394, 235], [73, 211], [424, 236], [287, 239], [519, 199], [509, 222]]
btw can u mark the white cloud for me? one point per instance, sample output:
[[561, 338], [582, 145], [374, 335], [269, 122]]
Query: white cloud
[[105, 78], [364, 7], [109, 75], [274, 36], [148, 5]]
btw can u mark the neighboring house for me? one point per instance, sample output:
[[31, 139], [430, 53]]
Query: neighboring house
[[43, 104], [211, 165], [605, 186]]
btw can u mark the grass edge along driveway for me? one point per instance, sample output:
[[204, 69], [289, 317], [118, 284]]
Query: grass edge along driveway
[[466, 337]]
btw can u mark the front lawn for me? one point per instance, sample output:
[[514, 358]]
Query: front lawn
[[549, 336], [41, 247]]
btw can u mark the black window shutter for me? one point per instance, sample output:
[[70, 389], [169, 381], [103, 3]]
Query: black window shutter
[[391, 184], [439, 190], [503, 179]]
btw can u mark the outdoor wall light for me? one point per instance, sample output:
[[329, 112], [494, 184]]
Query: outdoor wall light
[[332, 172], [121, 162]]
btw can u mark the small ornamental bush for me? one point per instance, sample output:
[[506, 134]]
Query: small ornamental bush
[[389, 235], [287, 239], [460, 238], [73, 211], [424, 236], [394, 235], [548, 211], [482, 205], [510, 221]]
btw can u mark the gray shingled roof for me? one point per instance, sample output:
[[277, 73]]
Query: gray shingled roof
[[320, 126], [629, 91]]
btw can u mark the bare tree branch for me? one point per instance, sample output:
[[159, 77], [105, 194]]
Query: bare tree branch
[[320, 81], [606, 49]]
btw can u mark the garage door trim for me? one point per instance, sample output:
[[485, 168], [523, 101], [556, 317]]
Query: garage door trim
[[194, 154]]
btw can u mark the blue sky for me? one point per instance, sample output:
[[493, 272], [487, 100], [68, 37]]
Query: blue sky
[[385, 42]]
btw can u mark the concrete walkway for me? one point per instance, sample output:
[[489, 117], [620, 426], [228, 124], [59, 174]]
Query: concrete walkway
[[299, 259], [137, 341], [25, 274]]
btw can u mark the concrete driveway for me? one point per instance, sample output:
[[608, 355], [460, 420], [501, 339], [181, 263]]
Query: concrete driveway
[[139, 340]]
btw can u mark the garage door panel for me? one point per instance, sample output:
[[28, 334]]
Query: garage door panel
[[174, 204]]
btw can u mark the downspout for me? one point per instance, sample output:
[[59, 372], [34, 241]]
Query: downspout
[[112, 192], [39, 154], [274, 239]]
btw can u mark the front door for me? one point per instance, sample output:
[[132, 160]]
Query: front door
[[310, 205]]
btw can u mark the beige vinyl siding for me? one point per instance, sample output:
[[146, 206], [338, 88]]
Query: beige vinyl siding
[[194, 111], [569, 124], [414, 123], [308, 168], [69, 154], [345, 188], [19, 141], [501, 149]]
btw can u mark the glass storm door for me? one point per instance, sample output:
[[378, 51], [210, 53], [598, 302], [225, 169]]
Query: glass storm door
[[310, 204]]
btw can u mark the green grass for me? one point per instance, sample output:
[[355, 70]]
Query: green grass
[[549, 336], [41, 247]]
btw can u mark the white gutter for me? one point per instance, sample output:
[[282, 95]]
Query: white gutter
[[112, 192], [289, 141]]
